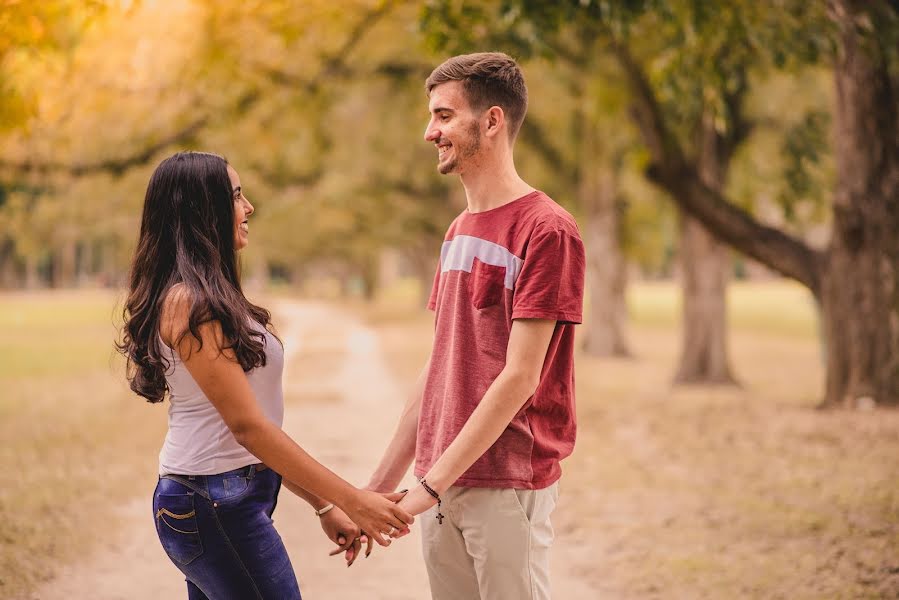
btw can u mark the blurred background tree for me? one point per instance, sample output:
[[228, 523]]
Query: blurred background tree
[[688, 67], [674, 131]]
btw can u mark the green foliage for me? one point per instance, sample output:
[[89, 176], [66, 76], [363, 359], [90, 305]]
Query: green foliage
[[30, 32], [803, 152], [320, 107]]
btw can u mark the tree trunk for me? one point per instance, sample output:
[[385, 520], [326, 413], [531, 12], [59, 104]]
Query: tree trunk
[[856, 281], [423, 258], [860, 294], [32, 272], [8, 275], [705, 265], [110, 274], [64, 261], [704, 268], [84, 270], [606, 265], [606, 276], [366, 275]]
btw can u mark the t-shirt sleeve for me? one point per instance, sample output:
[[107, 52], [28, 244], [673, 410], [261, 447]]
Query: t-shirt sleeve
[[432, 300], [551, 282]]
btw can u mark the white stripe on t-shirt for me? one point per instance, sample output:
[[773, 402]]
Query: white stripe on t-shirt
[[459, 253]]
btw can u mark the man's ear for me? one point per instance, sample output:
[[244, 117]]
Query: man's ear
[[496, 121]]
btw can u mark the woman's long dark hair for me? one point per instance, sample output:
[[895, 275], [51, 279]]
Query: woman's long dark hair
[[187, 238]]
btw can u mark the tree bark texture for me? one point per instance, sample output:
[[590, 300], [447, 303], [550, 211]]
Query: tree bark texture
[[606, 276], [856, 279], [860, 295], [606, 265], [64, 264], [705, 266]]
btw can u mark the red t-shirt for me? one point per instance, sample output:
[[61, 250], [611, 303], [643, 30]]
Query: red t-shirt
[[522, 260]]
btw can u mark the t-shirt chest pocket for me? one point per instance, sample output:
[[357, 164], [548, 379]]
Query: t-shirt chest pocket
[[486, 284]]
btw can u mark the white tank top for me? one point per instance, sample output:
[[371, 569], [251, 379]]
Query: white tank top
[[198, 442]]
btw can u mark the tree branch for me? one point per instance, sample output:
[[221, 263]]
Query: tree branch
[[333, 65], [535, 136], [647, 113], [772, 247], [112, 165]]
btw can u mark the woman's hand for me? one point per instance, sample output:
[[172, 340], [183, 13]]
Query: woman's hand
[[378, 515], [341, 530]]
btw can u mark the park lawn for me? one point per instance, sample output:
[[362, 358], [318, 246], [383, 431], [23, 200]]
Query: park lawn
[[689, 493], [76, 442], [697, 492]]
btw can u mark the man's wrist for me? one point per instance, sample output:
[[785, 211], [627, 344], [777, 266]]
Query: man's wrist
[[436, 481]]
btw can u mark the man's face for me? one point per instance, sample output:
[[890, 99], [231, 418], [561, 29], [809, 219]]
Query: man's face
[[454, 128]]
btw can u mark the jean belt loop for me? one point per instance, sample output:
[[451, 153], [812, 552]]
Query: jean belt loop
[[190, 482], [251, 472]]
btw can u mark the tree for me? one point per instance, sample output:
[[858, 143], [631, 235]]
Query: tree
[[703, 92], [117, 102], [855, 278]]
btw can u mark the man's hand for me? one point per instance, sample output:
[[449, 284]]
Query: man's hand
[[377, 514], [352, 552]]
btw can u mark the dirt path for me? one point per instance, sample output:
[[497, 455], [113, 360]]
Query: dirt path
[[344, 418]]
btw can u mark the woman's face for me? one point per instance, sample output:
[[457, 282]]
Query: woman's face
[[242, 211]]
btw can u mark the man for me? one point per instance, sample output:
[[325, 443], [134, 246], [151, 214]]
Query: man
[[492, 413]]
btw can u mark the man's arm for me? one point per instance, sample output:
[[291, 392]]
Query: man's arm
[[400, 451], [525, 355]]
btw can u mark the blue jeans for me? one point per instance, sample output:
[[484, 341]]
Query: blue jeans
[[218, 531]]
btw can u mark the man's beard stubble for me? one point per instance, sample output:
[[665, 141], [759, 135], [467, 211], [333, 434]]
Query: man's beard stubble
[[468, 149]]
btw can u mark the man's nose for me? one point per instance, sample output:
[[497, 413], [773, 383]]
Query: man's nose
[[431, 133]]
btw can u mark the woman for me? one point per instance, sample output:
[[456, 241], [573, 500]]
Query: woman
[[190, 332]]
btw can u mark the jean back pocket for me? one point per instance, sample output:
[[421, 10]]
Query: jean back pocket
[[176, 525]]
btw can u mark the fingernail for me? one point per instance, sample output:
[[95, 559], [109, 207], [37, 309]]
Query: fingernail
[[404, 491]]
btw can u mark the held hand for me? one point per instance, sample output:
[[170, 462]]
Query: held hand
[[397, 497], [343, 532], [378, 515]]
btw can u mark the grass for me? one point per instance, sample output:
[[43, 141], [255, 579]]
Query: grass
[[676, 493], [56, 334], [775, 307], [718, 492], [76, 442]]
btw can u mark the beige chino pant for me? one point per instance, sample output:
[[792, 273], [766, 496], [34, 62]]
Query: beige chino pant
[[493, 544]]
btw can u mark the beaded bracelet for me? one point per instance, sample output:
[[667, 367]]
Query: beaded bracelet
[[436, 496]]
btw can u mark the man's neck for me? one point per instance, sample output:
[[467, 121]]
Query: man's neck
[[492, 185]]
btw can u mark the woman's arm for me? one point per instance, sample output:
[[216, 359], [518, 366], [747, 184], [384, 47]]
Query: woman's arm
[[338, 527], [220, 376]]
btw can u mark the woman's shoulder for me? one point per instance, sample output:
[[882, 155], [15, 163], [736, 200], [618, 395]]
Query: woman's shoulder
[[174, 316]]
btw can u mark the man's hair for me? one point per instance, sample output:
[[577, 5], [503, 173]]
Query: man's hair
[[489, 79]]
